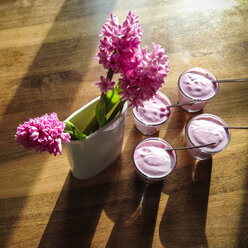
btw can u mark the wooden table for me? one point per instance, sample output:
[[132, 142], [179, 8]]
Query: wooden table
[[47, 64]]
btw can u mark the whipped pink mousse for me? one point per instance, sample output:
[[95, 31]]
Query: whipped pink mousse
[[152, 161], [204, 129], [197, 84], [149, 118]]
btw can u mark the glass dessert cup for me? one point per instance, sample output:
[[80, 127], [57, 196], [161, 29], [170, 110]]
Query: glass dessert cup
[[205, 129], [196, 84], [150, 118], [152, 161]]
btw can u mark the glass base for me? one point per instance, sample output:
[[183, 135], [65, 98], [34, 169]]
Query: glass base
[[190, 110], [200, 158]]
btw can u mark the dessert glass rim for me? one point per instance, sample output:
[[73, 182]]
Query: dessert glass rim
[[202, 149], [157, 139], [197, 99], [158, 123]]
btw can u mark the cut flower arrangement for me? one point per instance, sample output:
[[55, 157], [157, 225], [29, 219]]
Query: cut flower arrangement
[[141, 75]]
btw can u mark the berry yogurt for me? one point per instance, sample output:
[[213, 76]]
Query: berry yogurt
[[155, 112], [196, 84], [152, 161], [205, 129]]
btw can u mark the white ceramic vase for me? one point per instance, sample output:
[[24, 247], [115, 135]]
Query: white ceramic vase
[[89, 157]]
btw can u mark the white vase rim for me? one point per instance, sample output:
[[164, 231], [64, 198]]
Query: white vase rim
[[124, 109]]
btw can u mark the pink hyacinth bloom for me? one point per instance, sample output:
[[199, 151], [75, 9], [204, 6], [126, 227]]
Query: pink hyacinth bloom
[[118, 48], [105, 85], [142, 83], [43, 134]]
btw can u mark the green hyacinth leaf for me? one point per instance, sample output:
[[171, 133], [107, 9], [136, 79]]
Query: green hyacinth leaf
[[112, 98], [73, 131], [101, 111]]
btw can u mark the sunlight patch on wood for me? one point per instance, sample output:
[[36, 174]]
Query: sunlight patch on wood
[[104, 229]]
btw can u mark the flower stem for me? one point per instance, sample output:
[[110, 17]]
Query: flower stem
[[93, 124], [110, 74]]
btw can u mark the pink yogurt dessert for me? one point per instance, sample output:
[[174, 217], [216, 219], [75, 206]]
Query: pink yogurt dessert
[[196, 84], [149, 118], [204, 129], [152, 161]]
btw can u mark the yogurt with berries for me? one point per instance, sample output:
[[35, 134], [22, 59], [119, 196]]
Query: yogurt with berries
[[205, 129], [152, 160], [154, 113], [196, 84]]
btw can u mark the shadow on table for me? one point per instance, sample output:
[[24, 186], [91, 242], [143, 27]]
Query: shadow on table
[[132, 205], [44, 89], [76, 214], [134, 217], [129, 204], [184, 219]]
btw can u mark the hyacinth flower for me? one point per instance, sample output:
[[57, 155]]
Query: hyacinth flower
[[43, 133], [105, 85], [143, 82], [117, 50]]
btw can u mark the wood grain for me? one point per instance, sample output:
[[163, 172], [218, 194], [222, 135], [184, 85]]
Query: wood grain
[[47, 64]]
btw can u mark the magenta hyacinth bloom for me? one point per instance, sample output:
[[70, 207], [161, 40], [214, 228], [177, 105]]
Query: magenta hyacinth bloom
[[43, 134], [118, 48], [142, 83], [105, 85], [142, 73]]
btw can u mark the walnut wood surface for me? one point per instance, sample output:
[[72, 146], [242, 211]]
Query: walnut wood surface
[[47, 50]]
